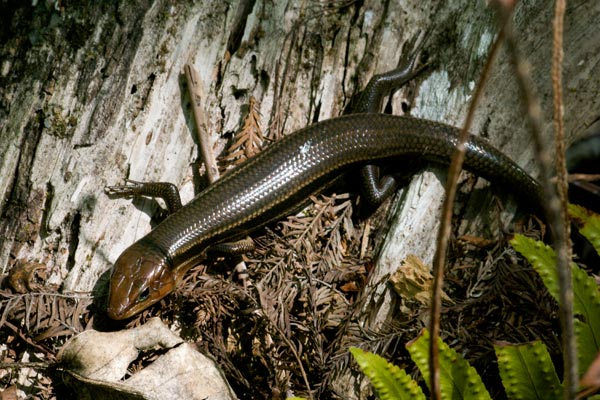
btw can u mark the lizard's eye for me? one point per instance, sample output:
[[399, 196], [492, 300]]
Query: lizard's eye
[[144, 295]]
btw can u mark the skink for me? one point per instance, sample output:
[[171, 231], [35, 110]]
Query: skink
[[281, 178], [276, 181]]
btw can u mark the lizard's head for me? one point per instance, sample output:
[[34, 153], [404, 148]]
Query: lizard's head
[[140, 277]]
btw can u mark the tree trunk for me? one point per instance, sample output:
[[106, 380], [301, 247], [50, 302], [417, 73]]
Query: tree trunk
[[93, 94]]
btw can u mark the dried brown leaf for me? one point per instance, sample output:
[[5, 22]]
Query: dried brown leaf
[[23, 276], [590, 382], [249, 140], [10, 393]]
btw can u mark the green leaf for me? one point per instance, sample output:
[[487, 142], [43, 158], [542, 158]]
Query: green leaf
[[389, 381], [542, 258], [586, 300], [458, 379], [527, 371], [588, 224]]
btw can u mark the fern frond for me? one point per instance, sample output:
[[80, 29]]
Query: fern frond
[[586, 301], [458, 379], [389, 380], [527, 371], [588, 224]]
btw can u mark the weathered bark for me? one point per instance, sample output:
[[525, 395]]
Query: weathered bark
[[91, 94]]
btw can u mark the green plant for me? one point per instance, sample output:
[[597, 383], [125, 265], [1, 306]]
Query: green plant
[[390, 381], [526, 370], [586, 299], [459, 380]]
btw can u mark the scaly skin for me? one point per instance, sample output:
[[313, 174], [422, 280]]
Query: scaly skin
[[280, 179]]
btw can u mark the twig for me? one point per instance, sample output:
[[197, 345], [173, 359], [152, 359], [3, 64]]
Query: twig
[[30, 341], [195, 90], [297, 356], [21, 365], [64, 295], [583, 177], [552, 206], [563, 248], [444, 231]]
